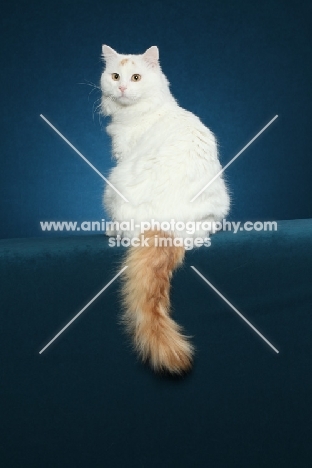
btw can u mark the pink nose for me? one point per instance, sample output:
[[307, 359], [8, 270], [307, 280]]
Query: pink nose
[[122, 88]]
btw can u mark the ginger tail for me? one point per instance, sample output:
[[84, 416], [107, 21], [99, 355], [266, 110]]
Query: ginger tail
[[157, 338]]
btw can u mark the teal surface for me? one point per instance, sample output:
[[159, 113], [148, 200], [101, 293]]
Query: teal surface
[[86, 401]]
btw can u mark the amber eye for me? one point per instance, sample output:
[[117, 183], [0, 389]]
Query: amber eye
[[115, 76], [135, 77]]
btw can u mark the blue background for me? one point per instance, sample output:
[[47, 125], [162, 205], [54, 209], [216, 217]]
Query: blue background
[[235, 64]]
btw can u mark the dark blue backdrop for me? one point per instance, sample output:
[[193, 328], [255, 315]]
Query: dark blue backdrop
[[235, 64]]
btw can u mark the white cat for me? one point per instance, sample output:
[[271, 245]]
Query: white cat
[[165, 156]]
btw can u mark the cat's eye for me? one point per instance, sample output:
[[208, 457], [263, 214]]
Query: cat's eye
[[115, 76], [135, 77]]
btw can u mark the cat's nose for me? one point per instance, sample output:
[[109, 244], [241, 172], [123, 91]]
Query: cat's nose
[[122, 88]]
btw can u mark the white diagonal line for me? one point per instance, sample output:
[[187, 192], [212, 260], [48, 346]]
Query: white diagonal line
[[82, 310], [83, 157], [235, 310], [233, 159]]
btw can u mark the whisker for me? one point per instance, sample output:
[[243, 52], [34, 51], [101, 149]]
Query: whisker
[[96, 107], [90, 83]]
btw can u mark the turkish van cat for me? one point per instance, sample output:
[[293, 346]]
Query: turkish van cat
[[164, 157]]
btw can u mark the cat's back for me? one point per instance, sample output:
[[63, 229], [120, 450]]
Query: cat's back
[[175, 130], [173, 118]]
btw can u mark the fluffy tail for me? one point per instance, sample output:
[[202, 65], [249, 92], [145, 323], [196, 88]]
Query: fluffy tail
[[157, 338]]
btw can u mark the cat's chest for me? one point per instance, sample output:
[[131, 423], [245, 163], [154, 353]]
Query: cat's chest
[[128, 137], [125, 138]]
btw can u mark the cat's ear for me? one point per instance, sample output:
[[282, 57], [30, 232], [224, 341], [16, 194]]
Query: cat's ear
[[151, 56], [108, 52]]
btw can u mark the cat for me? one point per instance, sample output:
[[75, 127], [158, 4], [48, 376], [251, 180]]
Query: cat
[[165, 155]]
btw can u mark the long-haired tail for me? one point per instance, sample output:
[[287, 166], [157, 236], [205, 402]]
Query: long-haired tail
[[157, 338]]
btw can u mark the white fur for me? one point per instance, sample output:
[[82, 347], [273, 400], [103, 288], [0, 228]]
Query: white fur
[[165, 154]]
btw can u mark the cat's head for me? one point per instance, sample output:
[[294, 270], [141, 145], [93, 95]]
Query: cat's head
[[128, 80]]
